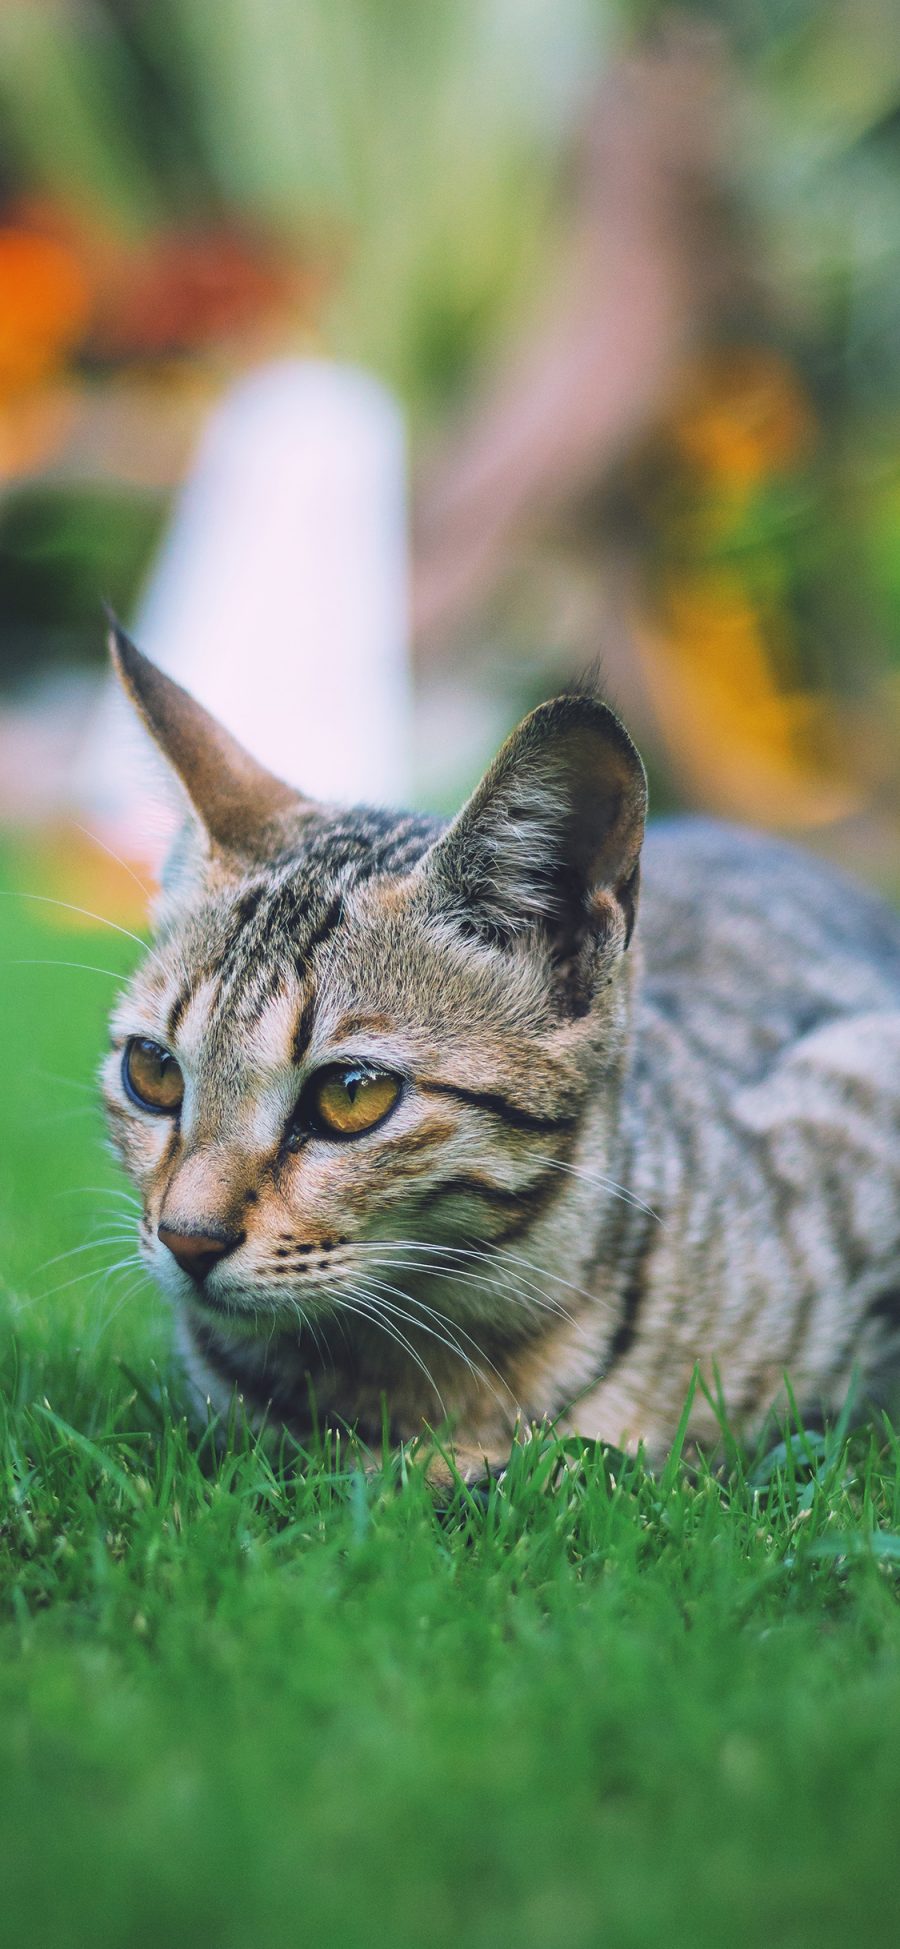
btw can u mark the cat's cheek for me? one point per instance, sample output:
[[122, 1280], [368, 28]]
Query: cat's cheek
[[144, 1146]]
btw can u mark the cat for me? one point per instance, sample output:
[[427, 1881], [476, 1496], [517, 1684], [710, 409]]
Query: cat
[[430, 1132]]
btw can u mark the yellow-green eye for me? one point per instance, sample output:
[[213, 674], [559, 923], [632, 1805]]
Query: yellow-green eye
[[151, 1076], [345, 1102]]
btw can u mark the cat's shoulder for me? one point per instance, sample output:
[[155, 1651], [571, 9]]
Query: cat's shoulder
[[709, 865], [720, 901]]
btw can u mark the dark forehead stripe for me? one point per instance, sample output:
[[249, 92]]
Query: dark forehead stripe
[[240, 917], [304, 905], [325, 926], [272, 926], [354, 845], [285, 918], [303, 1031], [178, 1007], [303, 950], [303, 916]]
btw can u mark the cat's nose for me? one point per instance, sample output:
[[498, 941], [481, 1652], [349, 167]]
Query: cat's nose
[[198, 1252]]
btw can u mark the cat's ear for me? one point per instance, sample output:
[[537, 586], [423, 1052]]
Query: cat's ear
[[551, 838], [234, 798]]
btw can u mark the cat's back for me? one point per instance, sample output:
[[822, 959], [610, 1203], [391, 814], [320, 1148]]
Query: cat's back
[[751, 944]]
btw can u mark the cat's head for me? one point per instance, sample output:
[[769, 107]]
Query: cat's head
[[364, 1040]]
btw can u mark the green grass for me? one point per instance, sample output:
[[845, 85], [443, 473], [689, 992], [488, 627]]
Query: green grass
[[247, 1703]]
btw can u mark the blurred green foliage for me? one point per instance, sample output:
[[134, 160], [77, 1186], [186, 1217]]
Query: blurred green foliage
[[423, 146], [410, 169]]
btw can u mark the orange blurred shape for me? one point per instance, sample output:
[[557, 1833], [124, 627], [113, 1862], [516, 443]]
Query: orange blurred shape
[[739, 742], [185, 289], [44, 307], [94, 886], [34, 425], [743, 416]]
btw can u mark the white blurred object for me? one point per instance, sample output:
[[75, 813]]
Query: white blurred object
[[279, 599]]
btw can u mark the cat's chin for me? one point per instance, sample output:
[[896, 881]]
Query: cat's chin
[[233, 1310], [247, 1313]]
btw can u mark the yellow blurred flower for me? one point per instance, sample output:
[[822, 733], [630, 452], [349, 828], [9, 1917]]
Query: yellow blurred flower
[[740, 742], [743, 416]]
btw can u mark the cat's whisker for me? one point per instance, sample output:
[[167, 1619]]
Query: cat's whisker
[[603, 1183], [90, 1245], [104, 848], [65, 1082], [367, 1310], [370, 1309], [491, 1255], [526, 1293], [501, 1254], [94, 1272], [69, 907], [288, 1301], [120, 1265], [413, 1299], [332, 1292], [125, 1299], [119, 1218], [85, 967], [306, 1321], [99, 1191], [367, 1294], [453, 1326], [413, 1319]]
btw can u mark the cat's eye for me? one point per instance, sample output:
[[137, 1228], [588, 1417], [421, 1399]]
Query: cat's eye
[[151, 1076], [345, 1101]]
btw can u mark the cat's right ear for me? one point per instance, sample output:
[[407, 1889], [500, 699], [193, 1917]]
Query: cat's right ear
[[549, 844], [234, 798]]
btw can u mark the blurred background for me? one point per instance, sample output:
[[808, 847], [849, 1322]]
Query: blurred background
[[629, 281]]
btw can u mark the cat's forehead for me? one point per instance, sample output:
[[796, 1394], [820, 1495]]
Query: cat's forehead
[[284, 910], [325, 943], [244, 952]]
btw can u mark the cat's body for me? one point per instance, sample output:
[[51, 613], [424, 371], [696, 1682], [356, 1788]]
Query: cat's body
[[585, 1165], [762, 1122]]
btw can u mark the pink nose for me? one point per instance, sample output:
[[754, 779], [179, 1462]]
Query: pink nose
[[198, 1252]]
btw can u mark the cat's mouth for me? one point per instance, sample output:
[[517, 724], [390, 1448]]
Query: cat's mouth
[[257, 1309], [231, 1309], [205, 1295]]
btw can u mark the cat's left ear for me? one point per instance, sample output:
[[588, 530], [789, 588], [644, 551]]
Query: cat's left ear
[[234, 798], [551, 839]]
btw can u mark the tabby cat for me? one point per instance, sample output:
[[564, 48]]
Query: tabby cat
[[425, 1127]]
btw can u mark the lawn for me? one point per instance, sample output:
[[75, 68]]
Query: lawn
[[246, 1701]]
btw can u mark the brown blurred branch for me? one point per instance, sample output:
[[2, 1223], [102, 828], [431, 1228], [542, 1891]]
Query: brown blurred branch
[[589, 375]]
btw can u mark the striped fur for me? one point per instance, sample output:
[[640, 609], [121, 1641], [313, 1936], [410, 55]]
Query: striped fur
[[607, 1162]]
